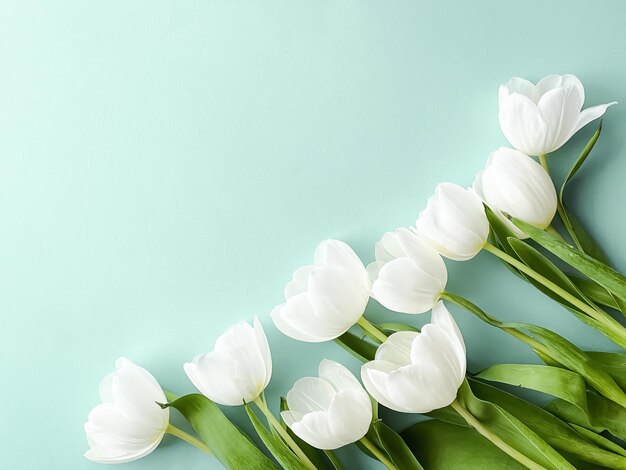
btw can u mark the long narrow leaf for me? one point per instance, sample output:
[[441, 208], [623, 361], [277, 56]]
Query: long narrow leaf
[[232, 448], [360, 348]]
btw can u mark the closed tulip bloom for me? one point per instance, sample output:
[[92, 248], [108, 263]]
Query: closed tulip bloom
[[128, 424], [516, 184], [408, 274], [330, 411], [454, 222], [237, 370], [418, 372], [539, 119], [326, 298]]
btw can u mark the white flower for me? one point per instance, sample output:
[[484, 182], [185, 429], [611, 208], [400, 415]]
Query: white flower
[[539, 119], [330, 411], [408, 274], [418, 372], [237, 370], [324, 299], [129, 424], [516, 184], [454, 222]]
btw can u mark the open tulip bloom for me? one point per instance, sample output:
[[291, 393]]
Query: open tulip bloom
[[508, 212]]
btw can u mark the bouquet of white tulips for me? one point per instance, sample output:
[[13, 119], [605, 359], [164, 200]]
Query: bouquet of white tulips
[[509, 212]]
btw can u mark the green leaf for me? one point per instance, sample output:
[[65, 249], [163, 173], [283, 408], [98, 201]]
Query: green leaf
[[448, 415], [229, 445], [314, 455], [583, 238], [554, 431], [607, 277], [613, 364], [443, 446], [281, 452], [391, 445], [360, 348], [594, 291], [603, 443], [603, 414], [496, 420], [395, 327], [581, 159], [560, 383], [500, 231], [552, 348]]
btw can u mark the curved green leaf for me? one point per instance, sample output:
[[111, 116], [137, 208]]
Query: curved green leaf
[[229, 445], [583, 239], [281, 452], [553, 430], [500, 232], [581, 158], [443, 446], [511, 430], [613, 364], [560, 383], [360, 348], [391, 445], [604, 275]]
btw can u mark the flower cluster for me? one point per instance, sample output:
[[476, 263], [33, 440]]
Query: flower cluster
[[513, 199]]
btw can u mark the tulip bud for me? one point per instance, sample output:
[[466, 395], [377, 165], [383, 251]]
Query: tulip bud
[[539, 119], [129, 424], [418, 372], [237, 370], [454, 222], [517, 185], [324, 299], [408, 274], [330, 411]]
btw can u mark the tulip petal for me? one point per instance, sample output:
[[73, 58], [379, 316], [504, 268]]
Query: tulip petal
[[338, 253], [310, 394], [338, 376], [350, 416], [560, 108], [522, 124], [300, 282], [264, 350], [397, 348], [441, 316], [590, 114], [375, 375], [435, 347], [338, 296], [286, 324], [315, 429]]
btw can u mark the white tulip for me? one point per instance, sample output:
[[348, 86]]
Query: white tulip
[[324, 299], [237, 370], [516, 184], [454, 222], [330, 411], [129, 424], [408, 274], [539, 119], [418, 372]]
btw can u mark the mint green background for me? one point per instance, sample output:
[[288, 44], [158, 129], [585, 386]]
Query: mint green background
[[165, 166]]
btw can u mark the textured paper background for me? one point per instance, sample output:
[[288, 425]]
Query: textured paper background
[[165, 166]]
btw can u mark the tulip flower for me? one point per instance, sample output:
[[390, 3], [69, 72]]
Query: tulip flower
[[324, 299], [418, 372], [408, 274], [539, 119], [329, 411], [516, 184], [454, 222], [128, 424], [237, 370]]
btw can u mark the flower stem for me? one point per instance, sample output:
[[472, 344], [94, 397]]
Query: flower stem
[[596, 313], [377, 453], [283, 433], [371, 330], [476, 424], [179, 433]]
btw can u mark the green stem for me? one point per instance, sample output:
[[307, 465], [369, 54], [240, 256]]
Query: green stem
[[179, 433], [597, 314], [283, 433], [377, 453], [476, 424], [371, 330]]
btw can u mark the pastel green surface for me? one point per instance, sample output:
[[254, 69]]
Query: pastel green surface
[[165, 166]]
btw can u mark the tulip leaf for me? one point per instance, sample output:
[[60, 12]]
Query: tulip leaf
[[594, 291], [281, 452], [360, 348], [603, 415], [500, 231], [495, 420], [444, 446], [556, 432], [601, 442], [604, 275], [560, 383], [613, 364], [391, 445], [448, 415], [314, 455], [552, 348], [581, 158], [227, 443]]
